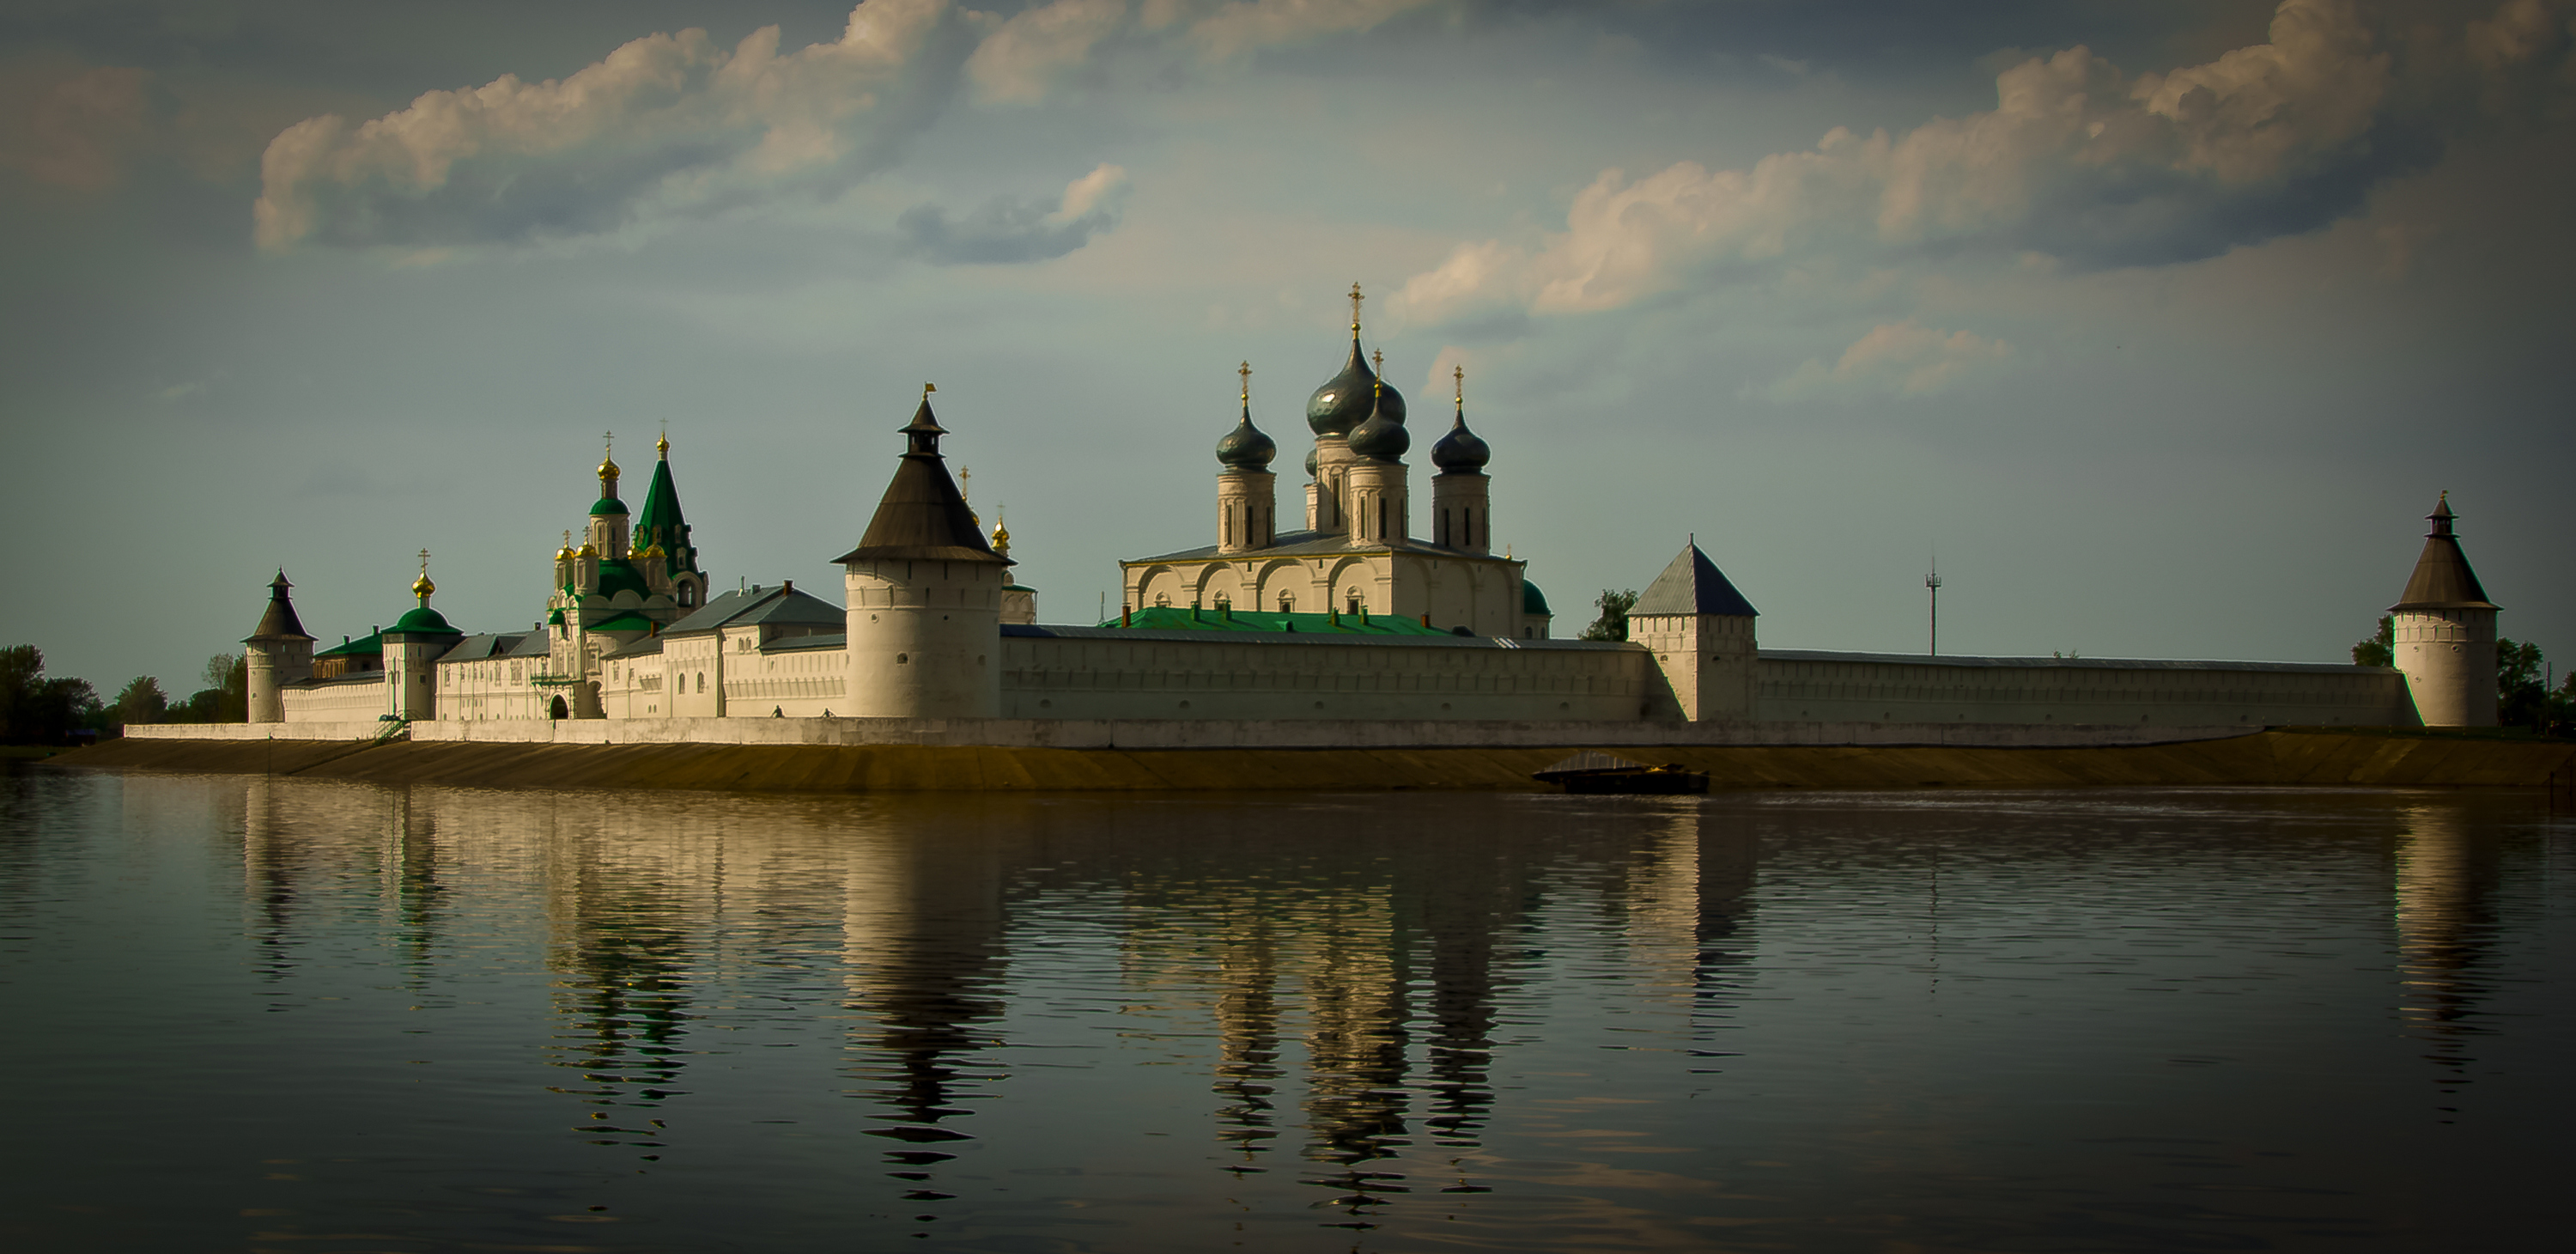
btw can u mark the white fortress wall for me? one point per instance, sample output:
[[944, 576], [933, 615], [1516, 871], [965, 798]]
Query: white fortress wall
[[1802, 686], [353, 699], [1113, 673]]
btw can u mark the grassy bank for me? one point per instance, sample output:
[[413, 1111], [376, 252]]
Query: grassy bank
[[2281, 757]]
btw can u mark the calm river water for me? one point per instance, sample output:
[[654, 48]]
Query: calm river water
[[245, 1014]]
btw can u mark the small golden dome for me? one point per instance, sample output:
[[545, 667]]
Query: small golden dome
[[422, 587], [654, 550], [587, 551], [564, 554], [608, 469], [663, 445]]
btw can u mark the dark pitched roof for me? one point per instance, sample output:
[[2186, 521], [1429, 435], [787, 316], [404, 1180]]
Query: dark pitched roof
[[2442, 578], [922, 514], [775, 605], [1692, 585], [280, 622], [486, 646]]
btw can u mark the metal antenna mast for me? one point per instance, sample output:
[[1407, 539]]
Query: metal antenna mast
[[1932, 583]]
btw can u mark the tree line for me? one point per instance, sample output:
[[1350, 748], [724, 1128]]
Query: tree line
[[37, 710], [2523, 695]]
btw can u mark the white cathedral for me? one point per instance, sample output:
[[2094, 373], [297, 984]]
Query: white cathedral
[[1352, 618]]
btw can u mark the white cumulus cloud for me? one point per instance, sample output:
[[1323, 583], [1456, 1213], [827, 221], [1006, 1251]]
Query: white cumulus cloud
[[2076, 159]]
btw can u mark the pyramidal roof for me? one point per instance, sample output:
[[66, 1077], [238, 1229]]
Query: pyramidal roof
[[2442, 578], [1692, 585], [922, 514], [280, 622], [661, 522]]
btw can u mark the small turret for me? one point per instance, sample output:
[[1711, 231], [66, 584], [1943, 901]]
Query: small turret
[[1461, 496], [1701, 631], [413, 646], [1247, 498]]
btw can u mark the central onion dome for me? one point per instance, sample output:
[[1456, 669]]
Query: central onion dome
[[1347, 400], [1382, 436], [1245, 447]]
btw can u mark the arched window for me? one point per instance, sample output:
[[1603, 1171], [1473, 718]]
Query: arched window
[[1162, 600], [1287, 603]]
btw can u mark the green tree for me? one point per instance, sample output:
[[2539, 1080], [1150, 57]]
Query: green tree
[[224, 699], [2379, 650], [1613, 623], [141, 701], [2521, 699], [37, 710]]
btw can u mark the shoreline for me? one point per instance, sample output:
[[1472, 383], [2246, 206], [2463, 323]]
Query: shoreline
[[2270, 758]]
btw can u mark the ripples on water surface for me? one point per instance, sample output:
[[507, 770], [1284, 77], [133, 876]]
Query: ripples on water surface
[[310, 1016]]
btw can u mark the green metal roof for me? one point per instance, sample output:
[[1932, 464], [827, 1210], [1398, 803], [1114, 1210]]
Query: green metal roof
[[369, 645], [616, 575], [1182, 618], [628, 621], [422, 621], [607, 505], [1533, 601]]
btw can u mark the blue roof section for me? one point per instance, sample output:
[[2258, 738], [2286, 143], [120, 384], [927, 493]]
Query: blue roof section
[[1692, 585]]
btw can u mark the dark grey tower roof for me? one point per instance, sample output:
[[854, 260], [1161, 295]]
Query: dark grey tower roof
[[1692, 585], [922, 514], [279, 623], [1381, 436], [2442, 578]]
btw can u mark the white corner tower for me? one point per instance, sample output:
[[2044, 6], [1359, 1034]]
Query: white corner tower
[[1700, 630], [925, 595], [1247, 494], [2445, 632], [278, 652]]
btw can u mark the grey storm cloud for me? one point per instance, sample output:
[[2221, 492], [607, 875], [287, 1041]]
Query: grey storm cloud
[[1011, 229]]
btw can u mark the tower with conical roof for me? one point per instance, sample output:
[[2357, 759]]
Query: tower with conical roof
[[2445, 632], [1461, 496], [1247, 494], [925, 595], [1700, 630], [413, 646], [276, 653]]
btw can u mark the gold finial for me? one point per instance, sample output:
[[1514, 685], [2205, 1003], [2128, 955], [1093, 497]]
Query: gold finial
[[663, 445], [1356, 298], [422, 587], [1246, 371], [928, 388], [1002, 533], [565, 553], [1379, 358], [608, 460], [1460, 373]]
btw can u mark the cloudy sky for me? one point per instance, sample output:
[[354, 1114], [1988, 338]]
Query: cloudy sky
[[2160, 324]]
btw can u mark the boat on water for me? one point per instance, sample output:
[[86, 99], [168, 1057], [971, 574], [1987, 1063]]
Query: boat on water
[[1592, 771]]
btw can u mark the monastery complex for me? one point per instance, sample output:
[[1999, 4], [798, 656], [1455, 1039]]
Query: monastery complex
[[1351, 627]]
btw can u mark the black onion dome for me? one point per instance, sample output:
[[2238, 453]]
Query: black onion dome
[[1245, 447], [1460, 452], [1310, 463], [1382, 437], [1345, 401]]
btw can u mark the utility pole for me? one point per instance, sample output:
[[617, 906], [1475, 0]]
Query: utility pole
[[1932, 582]]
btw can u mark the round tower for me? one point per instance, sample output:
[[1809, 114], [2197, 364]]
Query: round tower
[[277, 652], [2445, 632], [1247, 494], [413, 646], [1461, 496], [925, 595], [1376, 480]]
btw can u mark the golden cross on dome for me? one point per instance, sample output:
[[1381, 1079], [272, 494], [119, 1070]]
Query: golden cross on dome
[[965, 483], [1379, 357], [1356, 298], [1246, 371], [1461, 373], [609, 438], [424, 561]]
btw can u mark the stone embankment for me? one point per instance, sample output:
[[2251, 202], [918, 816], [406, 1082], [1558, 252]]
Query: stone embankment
[[2276, 757]]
